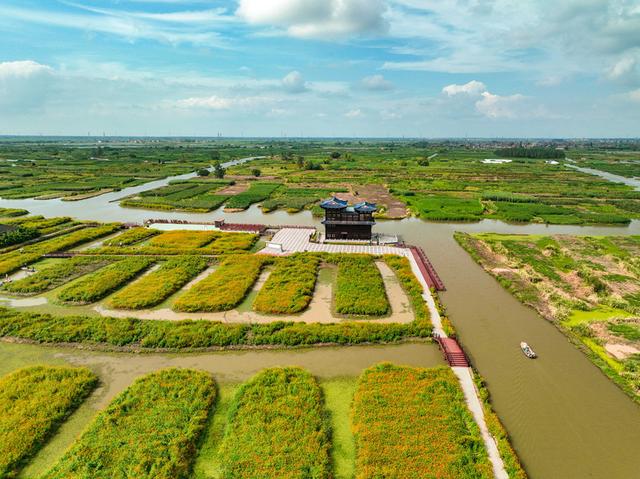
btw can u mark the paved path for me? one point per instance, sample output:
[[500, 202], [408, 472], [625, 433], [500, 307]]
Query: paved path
[[292, 240]]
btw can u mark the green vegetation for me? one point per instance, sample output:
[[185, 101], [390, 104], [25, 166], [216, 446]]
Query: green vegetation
[[411, 422], [151, 430], [97, 285], [12, 212], [52, 276], [530, 152], [14, 260], [197, 195], [401, 266], [34, 401], [131, 236], [225, 288], [587, 286], [290, 285], [277, 428], [359, 287], [42, 225], [17, 236], [154, 288], [175, 335], [257, 192]]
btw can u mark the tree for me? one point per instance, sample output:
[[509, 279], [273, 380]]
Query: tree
[[202, 172], [335, 155], [256, 172], [423, 162], [215, 155], [300, 161], [218, 170]]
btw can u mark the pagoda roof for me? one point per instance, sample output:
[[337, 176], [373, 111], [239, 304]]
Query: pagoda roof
[[334, 203], [365, 207]]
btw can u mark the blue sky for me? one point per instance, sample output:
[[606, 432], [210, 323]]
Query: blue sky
[[491, 68]]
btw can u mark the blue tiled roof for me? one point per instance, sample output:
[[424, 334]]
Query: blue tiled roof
[[334, 204], [365, 207]]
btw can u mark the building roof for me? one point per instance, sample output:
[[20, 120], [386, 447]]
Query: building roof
[[334, 203], [365, 207]]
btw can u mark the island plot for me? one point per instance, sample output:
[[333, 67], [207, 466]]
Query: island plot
[[587, 286]]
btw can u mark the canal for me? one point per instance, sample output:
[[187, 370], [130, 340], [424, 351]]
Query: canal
[[566, 419]]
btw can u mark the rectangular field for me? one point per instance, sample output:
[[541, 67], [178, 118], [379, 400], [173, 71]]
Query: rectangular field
[[33, 403], [225, 288], [277, 428], [150, 431], [290, 286], [359, 287], [99, 284], [158, 285], [132, 236], [414, 423]]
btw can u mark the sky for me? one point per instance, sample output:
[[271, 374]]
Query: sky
[[338, 68]]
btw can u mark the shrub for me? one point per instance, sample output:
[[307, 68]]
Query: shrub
[[99, 284], [10, 262], [17, 236], [151, 430], [53, 276], [290, 286], [413, 422], [277, 428], [225, 288], [359, 287], [34, 401], [157, 286]]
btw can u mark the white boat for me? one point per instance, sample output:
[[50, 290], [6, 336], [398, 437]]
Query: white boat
[[528, 352]]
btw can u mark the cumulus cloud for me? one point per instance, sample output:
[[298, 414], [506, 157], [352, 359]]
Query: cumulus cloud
[[474, 87], [24, 85], [496, 106], [294, 82], [635, 95], [355, 113], [319, 19], [376, 83]]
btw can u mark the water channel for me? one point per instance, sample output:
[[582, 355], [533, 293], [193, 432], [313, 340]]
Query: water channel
[[566, 419]]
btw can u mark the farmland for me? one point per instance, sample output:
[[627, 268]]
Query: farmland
[[588, 286], [359, 287], [34, 401], [431, 426]]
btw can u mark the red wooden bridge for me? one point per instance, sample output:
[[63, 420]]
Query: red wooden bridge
[[453, 353], [426, 268]]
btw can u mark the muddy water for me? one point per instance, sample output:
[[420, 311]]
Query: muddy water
[[566, 419]]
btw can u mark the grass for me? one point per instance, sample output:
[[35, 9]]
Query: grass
[[603, 313], [153, 288], [183, 239], [338, 395], [277, 428], [132, 236], [97, 285], [225, 288], [34, 401], [289, 288], [402, 268], [151, 430], [412, 422], [258, 191], [359, 287], [55, 275]]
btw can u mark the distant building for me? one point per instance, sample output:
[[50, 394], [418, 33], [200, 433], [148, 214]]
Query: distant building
[[344, 222]]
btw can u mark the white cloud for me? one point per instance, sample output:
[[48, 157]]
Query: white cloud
[[294, 82], [23, 69], [24, 85], [220, 103], [319, 19], [376, 83], [355, 113], [474, 87], [635, 95], [496, 106]]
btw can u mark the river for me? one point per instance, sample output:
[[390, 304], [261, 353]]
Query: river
[[566, 419]]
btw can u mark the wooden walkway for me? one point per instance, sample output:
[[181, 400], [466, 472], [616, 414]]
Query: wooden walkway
[[453, 353], [427, 269]]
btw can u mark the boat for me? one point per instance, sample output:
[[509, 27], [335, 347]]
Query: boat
[[528, 352]]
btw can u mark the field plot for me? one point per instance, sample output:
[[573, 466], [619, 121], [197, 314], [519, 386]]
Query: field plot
[[97, 285], [192, 195], [154, 288], [12, 212], [33, 403], [290, 286], [50, 277], [12, 261], [414, 423], [132, 236], [257, 192], [277, 428], [149, 431], [225, 288], [185, 242], [359, 287], [588, 286], [296, 198]]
